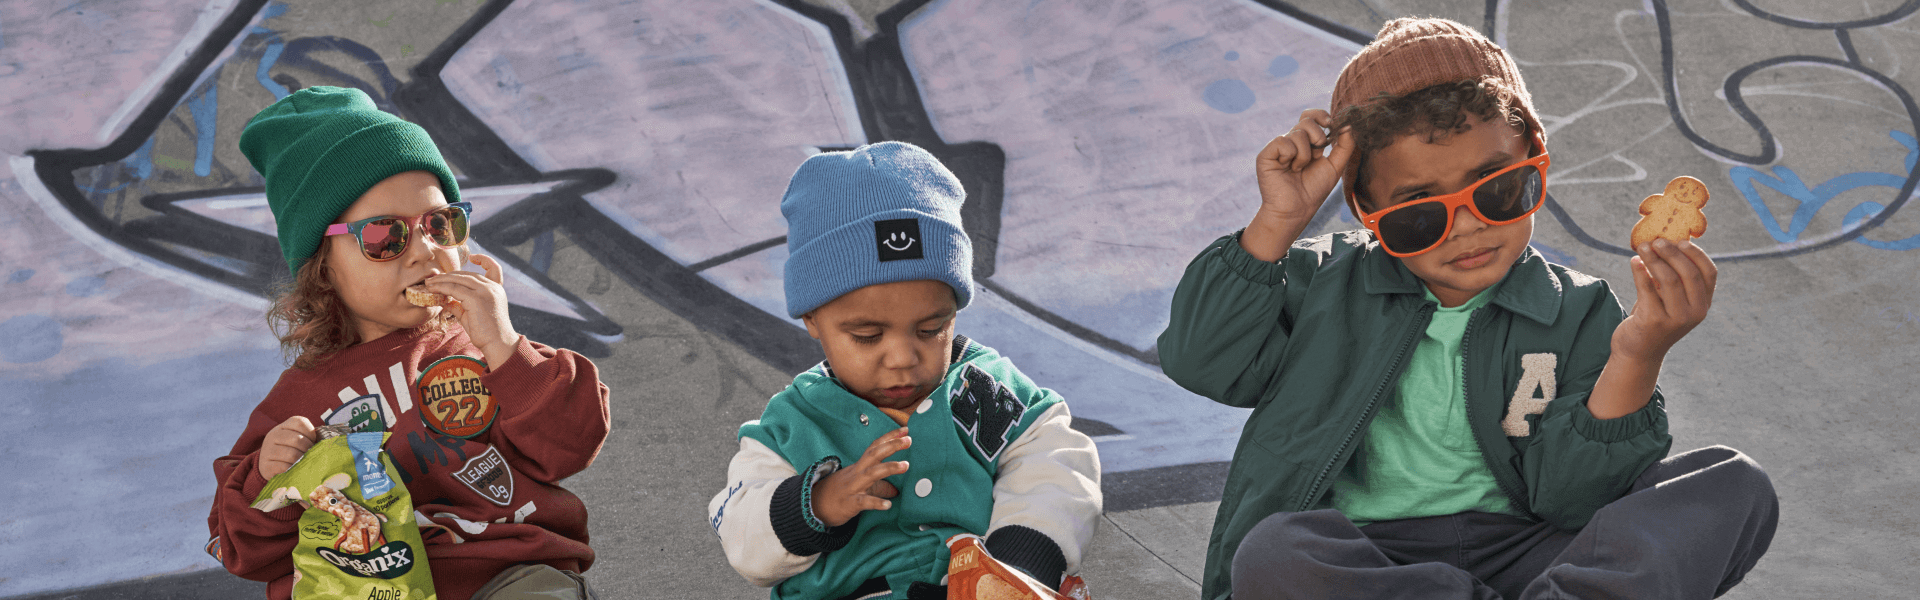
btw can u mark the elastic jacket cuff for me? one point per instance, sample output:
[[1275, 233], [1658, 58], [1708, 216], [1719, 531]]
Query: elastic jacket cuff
[[1248, 267], [1620, 428], [1029, 550], [800, 532]]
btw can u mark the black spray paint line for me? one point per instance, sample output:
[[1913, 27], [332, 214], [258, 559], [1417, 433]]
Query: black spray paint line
[[1317, 22], [1769, 150], [1902, 12], [55, 168]]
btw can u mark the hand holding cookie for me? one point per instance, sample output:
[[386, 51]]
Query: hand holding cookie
[[1673, 278], [479, 302]]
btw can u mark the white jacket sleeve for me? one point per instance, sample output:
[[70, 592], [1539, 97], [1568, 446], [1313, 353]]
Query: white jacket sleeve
[[741, 515], [1050, 482]]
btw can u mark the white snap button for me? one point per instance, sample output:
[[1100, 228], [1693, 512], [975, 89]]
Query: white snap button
[[924, 405], [923, 488], [925, 527], [863, 419]]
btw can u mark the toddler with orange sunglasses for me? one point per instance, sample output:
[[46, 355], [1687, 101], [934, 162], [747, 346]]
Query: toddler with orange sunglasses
[[1438, 411], [483, 423]]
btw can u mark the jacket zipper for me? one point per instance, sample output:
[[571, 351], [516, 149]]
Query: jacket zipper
[[1399, 362], [1467, 394]]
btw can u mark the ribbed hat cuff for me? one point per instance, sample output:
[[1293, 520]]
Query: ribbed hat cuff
[[847, 258]]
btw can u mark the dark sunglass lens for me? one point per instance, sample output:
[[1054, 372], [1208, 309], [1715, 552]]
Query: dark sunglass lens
[[1414, 227], [383, 239], [1511, 195]]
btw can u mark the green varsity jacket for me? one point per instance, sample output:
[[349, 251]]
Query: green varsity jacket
[[1315, 343]]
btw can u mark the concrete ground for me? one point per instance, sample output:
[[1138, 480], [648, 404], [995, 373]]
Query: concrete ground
[[1807, 362]]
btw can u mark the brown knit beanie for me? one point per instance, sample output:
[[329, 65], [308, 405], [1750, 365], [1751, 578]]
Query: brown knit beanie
[[1412, 54]]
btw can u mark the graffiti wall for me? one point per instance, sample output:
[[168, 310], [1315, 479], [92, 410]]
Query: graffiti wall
[[1102, 145]]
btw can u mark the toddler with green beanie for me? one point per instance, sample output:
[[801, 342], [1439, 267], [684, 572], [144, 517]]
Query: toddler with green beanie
[[856, 475], [388, 333]]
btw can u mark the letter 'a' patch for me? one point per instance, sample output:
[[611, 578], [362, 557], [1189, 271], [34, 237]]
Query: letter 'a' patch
[[1531, 396], [898, 239], [488, 475]]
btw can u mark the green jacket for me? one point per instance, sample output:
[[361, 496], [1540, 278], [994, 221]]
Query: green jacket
[[1315, 343]]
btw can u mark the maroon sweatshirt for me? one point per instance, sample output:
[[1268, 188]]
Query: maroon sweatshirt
[[551, 421]]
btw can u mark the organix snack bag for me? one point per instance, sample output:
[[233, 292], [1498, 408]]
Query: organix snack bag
[[358, 537]]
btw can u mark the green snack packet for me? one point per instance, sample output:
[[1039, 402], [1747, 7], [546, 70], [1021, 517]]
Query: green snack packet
[[358, 537]]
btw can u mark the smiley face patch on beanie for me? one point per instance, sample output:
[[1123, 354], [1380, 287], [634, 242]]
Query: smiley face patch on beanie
[[898, 239], [896, 192]]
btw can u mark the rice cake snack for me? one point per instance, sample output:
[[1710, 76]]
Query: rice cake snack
[[419, 296], [972, 574], [358, 537]]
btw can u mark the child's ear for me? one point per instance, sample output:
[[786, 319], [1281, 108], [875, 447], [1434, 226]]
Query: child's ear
[[813, 330]]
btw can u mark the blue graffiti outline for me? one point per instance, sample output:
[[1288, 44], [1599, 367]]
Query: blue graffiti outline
[[267, 59], [206, 114], [1785, 181], [272, 54]]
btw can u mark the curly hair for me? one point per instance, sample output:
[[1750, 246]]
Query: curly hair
[[312, 321], [1437, 111]]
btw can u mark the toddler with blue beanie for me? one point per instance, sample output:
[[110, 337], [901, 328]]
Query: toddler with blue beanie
[[908, 434]]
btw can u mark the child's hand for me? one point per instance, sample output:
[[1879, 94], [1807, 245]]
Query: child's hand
[[1295, 177], [1675, 286], [284, 445], [480, 304], [838, 497]]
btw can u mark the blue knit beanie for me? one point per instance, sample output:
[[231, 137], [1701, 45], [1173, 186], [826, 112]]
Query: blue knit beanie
[[878, 214]]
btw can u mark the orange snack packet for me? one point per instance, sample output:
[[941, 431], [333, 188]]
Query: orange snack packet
[[972, 574]]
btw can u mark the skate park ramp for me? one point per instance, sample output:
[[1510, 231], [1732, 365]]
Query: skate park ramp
[[626, 161]]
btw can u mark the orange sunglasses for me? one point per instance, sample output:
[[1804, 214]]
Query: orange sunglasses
[[1417, 226]]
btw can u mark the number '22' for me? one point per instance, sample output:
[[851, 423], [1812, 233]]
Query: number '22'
[[469, 411]]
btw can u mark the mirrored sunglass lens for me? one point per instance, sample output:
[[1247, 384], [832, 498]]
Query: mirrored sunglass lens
[[448, 226], [1414, 227], [1510, 195], [383, 239]]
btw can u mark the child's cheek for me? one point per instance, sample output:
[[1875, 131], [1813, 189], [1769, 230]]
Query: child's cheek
[[452, 259]]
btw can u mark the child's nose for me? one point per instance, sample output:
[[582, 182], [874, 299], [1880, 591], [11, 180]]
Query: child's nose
[[899, 354], [419, 248], [1465, 222]]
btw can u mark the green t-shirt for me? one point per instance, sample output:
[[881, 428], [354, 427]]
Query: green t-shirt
[[1419, 458]]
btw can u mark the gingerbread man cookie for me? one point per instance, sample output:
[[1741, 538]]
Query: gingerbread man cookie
[[1674, 213]]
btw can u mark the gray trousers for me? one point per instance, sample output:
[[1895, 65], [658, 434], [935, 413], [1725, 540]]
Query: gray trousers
[[1691, 527], [536, 582]]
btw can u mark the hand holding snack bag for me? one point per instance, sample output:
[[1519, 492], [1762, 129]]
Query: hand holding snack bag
[[972, 574], [358, 537]]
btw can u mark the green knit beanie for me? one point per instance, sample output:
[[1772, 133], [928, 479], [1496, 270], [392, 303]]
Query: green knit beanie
[[320, 148]]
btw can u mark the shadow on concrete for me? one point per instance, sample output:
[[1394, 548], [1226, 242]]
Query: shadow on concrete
[[213, 584]]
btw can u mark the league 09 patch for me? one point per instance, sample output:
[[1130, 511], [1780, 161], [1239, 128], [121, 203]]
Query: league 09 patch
[[487, 474], [453, 402]]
